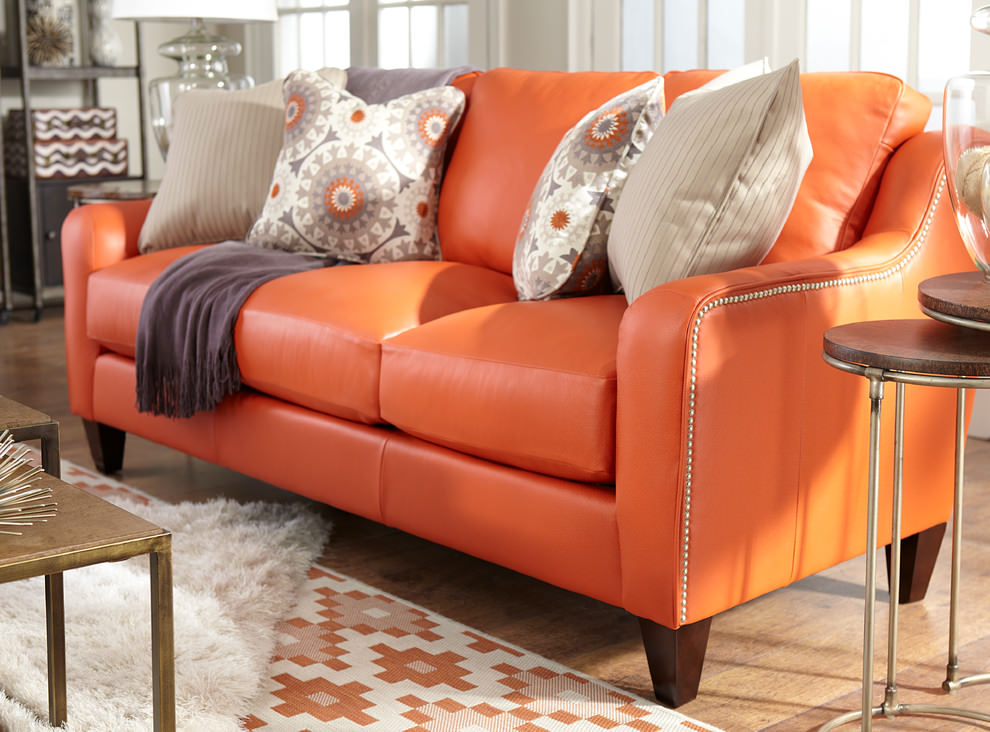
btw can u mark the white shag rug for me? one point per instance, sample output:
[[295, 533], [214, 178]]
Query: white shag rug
[[237, 569]]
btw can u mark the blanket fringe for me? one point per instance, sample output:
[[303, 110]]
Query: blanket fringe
[[163, 391], [185, 357]]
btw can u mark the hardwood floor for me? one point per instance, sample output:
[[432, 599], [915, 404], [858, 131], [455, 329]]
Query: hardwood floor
[[787, 661]]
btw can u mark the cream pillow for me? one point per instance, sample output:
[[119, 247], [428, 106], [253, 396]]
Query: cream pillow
[[220, 161], [714, 186], [733, 76]]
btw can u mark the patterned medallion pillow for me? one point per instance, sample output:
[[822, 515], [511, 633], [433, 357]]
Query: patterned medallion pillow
[[357, 181], [220, 160], [715, 185], [560, 250]]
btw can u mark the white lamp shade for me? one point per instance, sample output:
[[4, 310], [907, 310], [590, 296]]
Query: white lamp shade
[[211, 11]]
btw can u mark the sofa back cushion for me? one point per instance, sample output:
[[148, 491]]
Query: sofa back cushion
[[512, 125], [856, 120], [515, 118]]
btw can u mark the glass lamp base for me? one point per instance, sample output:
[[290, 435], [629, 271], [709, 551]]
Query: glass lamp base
[[202, 58], [162, 93]]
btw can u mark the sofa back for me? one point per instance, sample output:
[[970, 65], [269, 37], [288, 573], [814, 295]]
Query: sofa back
[[515, 118], [510, 128]]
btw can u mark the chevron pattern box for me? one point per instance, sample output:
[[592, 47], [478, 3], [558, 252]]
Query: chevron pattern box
[[75, 142], [75, 123], [69, 158]]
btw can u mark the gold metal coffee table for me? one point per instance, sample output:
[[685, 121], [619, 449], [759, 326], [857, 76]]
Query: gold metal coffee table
[[25, 423], [88, 530]]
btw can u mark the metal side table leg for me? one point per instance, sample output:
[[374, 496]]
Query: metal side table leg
[[867, 710], [952, 681], [162, 639], [891, 707], [50, 453], [869, 616], [55, 614]]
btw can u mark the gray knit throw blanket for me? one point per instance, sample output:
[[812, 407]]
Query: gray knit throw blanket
[[186, 361]]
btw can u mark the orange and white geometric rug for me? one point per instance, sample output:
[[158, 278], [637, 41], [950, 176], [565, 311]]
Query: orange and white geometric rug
[[351, 657]]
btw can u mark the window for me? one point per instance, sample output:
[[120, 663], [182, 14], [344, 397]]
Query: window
[[385, 33], [422, 34], [313, 34], [693, 33], [923, 42]]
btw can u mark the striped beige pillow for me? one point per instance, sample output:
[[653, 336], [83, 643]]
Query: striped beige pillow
[[220, 162], [715, 184]]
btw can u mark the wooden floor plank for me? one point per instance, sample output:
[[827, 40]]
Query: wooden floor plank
[[789, 660]]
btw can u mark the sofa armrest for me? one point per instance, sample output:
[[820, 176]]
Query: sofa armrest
[[93, 237], [740, 453]]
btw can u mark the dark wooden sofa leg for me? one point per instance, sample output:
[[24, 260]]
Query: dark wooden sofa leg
[[918, 554], [675, 658], [106, 445]]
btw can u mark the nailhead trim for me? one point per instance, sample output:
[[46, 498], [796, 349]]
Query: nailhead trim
[[761, 295]]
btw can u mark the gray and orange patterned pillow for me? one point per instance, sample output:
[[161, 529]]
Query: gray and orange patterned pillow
[[561, 250], [357, 181], [220, 159]]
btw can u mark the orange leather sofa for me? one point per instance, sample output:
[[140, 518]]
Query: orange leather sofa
[[676, 457]]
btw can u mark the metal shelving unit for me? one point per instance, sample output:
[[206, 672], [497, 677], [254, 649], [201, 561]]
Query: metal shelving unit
[[40, 254], [6, 288]]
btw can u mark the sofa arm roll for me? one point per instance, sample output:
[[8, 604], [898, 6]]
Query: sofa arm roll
[[93, 237], [741, 457]]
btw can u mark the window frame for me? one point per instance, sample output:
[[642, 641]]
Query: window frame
[[364, 31]]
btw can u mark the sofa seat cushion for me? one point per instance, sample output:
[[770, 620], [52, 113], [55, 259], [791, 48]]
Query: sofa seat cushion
[[528, 384], [314, 338], [115, 295]]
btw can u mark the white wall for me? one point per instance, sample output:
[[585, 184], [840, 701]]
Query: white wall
[[122, 95]]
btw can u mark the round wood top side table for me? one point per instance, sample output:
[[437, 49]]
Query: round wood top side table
[[113, 190], [960, 299], [929, 353]]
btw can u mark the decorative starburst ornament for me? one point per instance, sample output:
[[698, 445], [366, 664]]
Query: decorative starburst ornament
[[21, 503], [49, 41]]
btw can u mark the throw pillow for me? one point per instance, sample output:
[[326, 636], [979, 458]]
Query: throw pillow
[[733, 76], [357, 181], [220, 160], [560, 250], [715, 185]]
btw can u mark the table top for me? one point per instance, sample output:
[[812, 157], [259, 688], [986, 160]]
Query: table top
[[14, 415], [922, 346], [113, 190], [964, 295], [85, 530]]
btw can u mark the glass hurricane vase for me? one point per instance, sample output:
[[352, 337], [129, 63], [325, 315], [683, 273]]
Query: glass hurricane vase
[[202, 58], [966, 146]]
